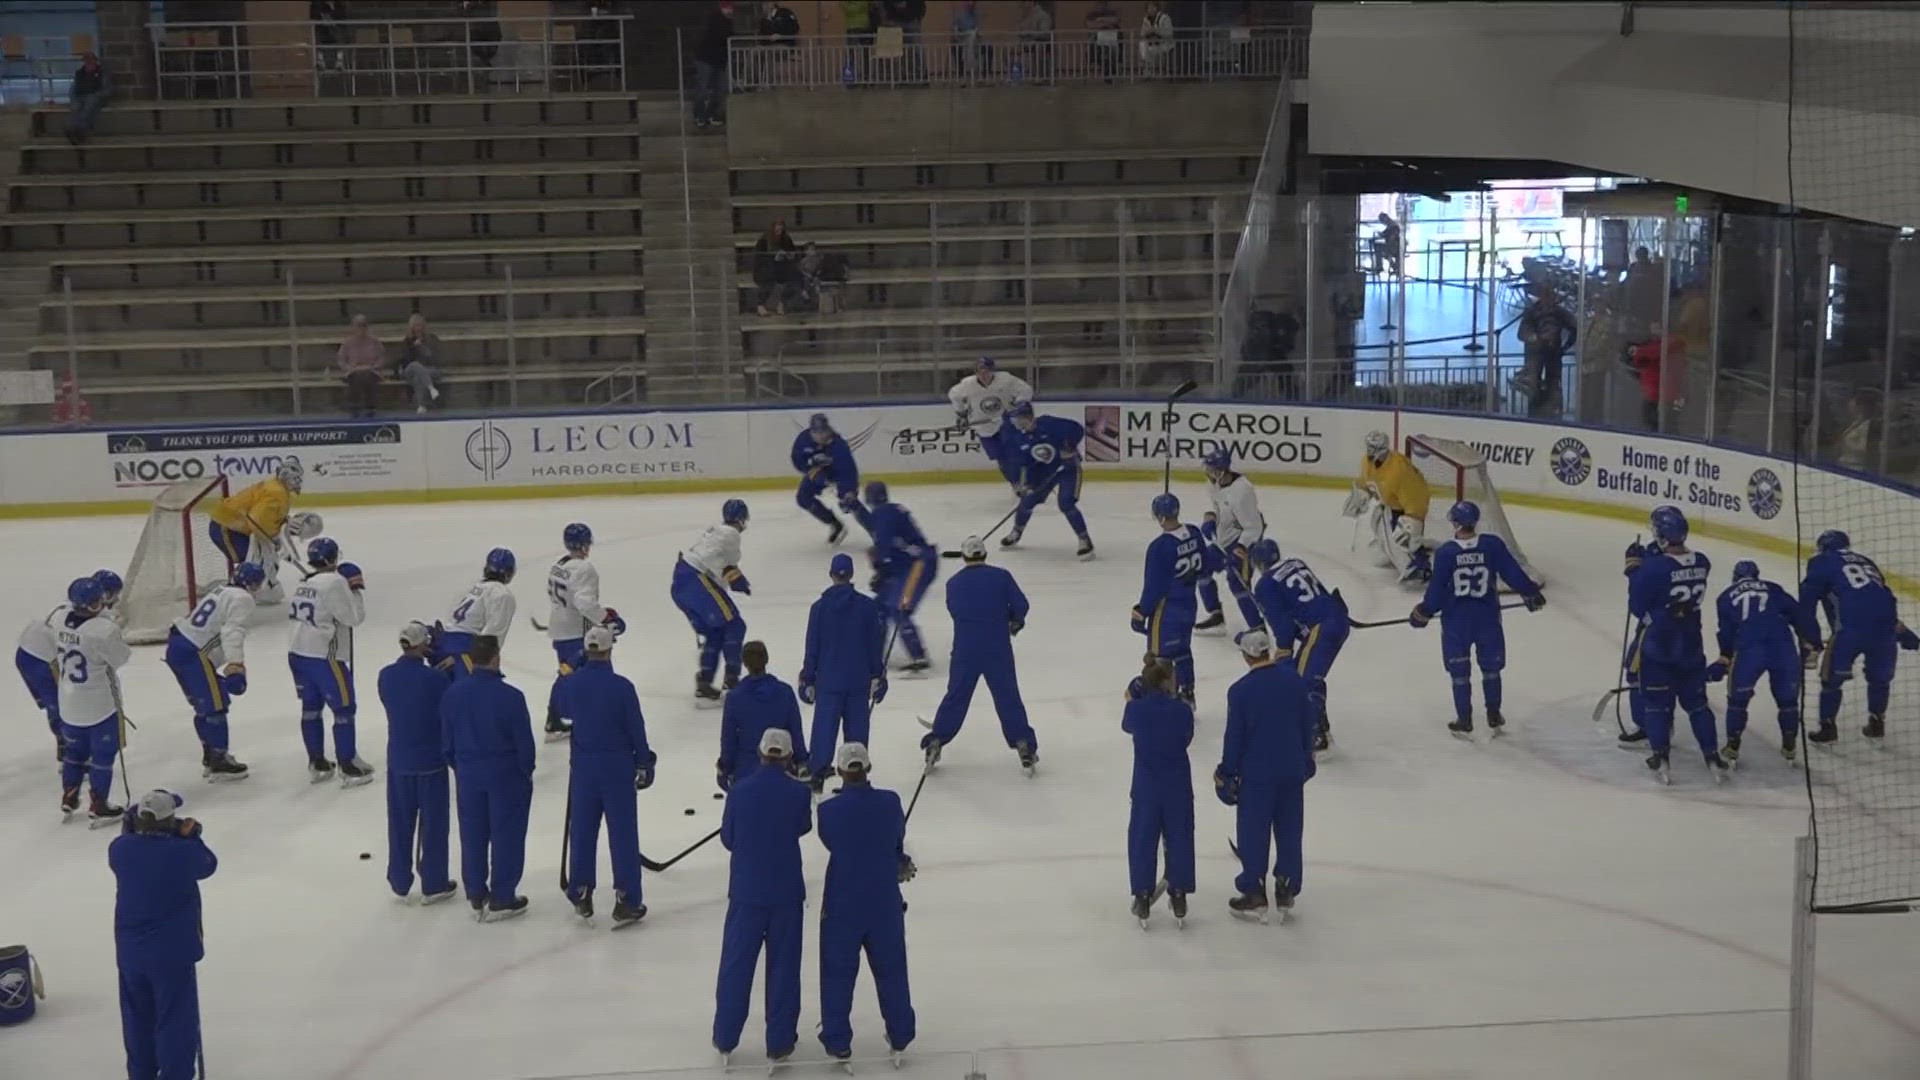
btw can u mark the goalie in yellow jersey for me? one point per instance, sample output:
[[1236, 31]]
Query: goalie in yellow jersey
[[1392, 495], [251, 525]]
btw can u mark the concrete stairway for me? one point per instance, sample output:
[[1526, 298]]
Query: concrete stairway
[[693, 340]]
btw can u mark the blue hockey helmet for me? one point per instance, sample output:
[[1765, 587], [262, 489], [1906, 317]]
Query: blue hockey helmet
[[1166, 507], [1833, 540], [323, 552], [248, 576], [1021, 414], [985, 363], [500, 564], [876, 493], [1746, 570], [1669, 524], [577, 537], [85, 594], [109, 583], [734, 512], [1464, 514], [819, 425], [840, 568], [1264, 553], [1218, 461]]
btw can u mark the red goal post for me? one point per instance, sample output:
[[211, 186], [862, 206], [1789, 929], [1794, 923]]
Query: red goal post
[[176, 561], [1457, 472]]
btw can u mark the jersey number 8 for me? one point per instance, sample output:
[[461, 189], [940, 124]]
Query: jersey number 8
[[202, 613], [1859, 576]]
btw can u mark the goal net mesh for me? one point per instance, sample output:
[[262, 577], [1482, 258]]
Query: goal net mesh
[[175, 562], [1455, 471]]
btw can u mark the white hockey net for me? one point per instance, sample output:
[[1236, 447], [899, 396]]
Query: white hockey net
[[1456, 471], [175, 562]]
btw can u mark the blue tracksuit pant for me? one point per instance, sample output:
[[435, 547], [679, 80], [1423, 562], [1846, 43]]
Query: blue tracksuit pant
[[1154, 822], [493, 805], [882, 934], [417, 820], [1877, 649], [603, 789], [1465, 638], [963, 677], [1779, 661], [846, 713], [160, 1023], [749, 926], [1275, 812]]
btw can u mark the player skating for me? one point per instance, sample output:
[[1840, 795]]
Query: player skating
[[1865, 618], [823, 459], [1665, 593], [324, 611], [36, 658], [1266, 759], [611, 761], [1049, 451], [1234, 525], [1298, 609], [905, 565], [988, 610], [487, 607], [1177, 560], [702, 576], [573, 593], [1465, 593], [1758, 621], [861, 909], [1161, 796], [419, 798], [981, 402], [91, 650], [253, 524], [1392, 495], [844, 673], [206, 651]]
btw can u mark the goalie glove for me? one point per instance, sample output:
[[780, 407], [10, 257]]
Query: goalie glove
[[1357, 501], [304, 525]]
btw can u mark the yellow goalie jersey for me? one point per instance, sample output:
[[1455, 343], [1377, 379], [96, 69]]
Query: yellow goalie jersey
[[1401, 486], [261, 509]]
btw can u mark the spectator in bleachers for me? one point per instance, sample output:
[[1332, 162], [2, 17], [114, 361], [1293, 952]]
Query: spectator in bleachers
[[483, 40], [778, 21], [1646, 288], [1546, 331], [1386, 245], [1036, 40], [420, 364], [775, 267], [1661, 364], [85, 99], [1851, 449], [908, 15], [969, 58], [360, 360], [1103, 23], [328, 35], [1156, 37], [859, 17], [710, 67]]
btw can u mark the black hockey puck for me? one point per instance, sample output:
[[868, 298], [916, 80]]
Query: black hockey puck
[[366, 855], [689, 811], [719, 795]]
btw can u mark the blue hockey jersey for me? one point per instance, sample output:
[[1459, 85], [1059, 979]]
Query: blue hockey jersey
[[832, 462], [1850, 588], [1665, 593], [1755, 614], [1293, 600], [898, 542], [1176, 561], [1054, 442], [1464, 573]]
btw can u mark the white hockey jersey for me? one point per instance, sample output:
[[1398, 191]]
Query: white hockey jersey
[[714, 551], [217, 626], [89, 655], [984, 406], [573, 590], [324, 612], [487, 608], [1236, 513], [38, 641]]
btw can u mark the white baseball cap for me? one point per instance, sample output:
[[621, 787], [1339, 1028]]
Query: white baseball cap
[[776, 743], [415, 634], [599, 639], [852, 756], [1254, 642], [159, 804], [973, 548]]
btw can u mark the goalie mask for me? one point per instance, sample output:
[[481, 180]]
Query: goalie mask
[[1377, 446]]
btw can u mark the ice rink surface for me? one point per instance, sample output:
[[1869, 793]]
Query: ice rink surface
[[1529, 908]]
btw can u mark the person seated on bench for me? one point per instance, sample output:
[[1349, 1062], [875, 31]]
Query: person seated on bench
[[420, 365], [775, 268], [360, 360], [85, 99]]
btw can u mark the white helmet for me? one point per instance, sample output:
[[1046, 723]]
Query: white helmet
[[1377, 445], [291, 473]]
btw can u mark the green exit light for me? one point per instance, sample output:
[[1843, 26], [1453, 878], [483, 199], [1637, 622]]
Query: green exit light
[[1680, 203]]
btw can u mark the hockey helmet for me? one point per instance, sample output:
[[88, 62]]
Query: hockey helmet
[[499, 565], [577, 537], [1264, 553], [1833, 540], [323, 552], [1166, 507], [1464, 514], [734, 512], [85, 594], [1746, 570], [248, 576], [1669, 524]]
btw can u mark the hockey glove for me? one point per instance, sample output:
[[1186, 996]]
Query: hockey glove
[[800, 771], [1014, 626], [234, 680], [929, 741], [189, 828], [737, 581], [352, 573], [1209, 526], [805, 690], [1718, 669], [820, 460], [1809, 654], [908, 871], [877, 690], [1420, 617], [612, 621], [643, 778], [1227, 787], [1908, 639], [877, 582], [963, 418], [849, 502], [721, 777], [1139, 621], [1535, 601], [1635, 552]]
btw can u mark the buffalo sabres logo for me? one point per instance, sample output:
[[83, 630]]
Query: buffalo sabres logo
[[1571, 462], [1764, 494], [1043, 453], [14, 988]]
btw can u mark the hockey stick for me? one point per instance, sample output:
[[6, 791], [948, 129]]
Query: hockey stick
[[1608, 698], [1166, 432], [120, 710], [1045, 494], [1358, 625], [1600, 708], [566, 835], [535, 623], [915, 801], [656, 867]]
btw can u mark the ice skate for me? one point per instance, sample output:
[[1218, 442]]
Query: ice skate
[[726, 1058], [355, 773], [1496, 724], [1789, 751], [1250, 907], [843, 1058], [729, 681], [837, 530], [101, 813], [1283, 894], [916, 668], [479, 906], [897, 1055], [626, 914], [502, 910], [1462, 728], [428, 899], [1322, 740], [1825, 734], [69, 803], [776, 1062], [1632, 741], [1141, 908], [1177, 903], [217, 766], [319, 770], [1876, 729], [1029, 757], [558, 728], [583, 904], [1730, 753], [704, 694], [1212, 621], [1185, 693], [1657, 764], [1085, 551], [1012, 539], [1718, 768]]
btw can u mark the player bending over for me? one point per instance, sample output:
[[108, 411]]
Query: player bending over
[[253, 524], [1865, 618], [1233, 525], [91, 650], [904, 566], [1757, 624], [324, 610], [822, 457], [1049, 451], [1300, 611], [206, 651], [1664, 594], [486, 608], [1392, 495], [1463, 592], [573, 592], [981, 402], [1177, 559], [704, 573]]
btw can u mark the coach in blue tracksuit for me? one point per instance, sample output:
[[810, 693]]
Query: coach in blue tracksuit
[[417, 793], [865, 832], [905, 563], [159, 861], [1162, 793], [611, 761], [988, 609], [844, 674], [1266, 760], [1757, 628], [822, 458], [767, 813], [760, 702], [487, 737]]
